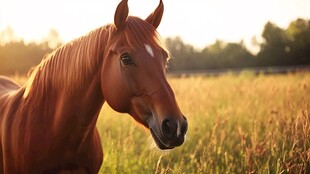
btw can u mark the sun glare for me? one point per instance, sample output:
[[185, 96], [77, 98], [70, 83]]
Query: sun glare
[[198, 22]]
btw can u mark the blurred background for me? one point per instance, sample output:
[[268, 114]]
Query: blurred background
[[203, 35]]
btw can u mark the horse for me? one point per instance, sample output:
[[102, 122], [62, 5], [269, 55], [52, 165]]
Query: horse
[[48, 125]]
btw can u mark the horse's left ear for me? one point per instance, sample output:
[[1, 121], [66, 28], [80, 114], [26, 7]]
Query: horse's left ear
[[155, 17], [121, 14]]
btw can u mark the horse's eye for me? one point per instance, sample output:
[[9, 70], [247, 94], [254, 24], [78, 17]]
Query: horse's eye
[[126, 59]]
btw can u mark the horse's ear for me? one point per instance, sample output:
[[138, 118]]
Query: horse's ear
[[155, 17], [121, 14]]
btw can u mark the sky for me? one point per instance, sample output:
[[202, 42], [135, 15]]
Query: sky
[[197, 22]]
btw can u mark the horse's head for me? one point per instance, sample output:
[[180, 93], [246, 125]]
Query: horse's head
[[133, 77]]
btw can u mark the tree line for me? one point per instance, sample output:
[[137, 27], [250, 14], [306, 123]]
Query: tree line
[[280, 47], [18, 57]]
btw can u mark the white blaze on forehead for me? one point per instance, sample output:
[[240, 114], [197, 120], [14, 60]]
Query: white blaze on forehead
[[149, 49]]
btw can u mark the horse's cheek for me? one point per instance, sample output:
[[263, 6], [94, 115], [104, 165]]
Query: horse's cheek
[[117, 99]]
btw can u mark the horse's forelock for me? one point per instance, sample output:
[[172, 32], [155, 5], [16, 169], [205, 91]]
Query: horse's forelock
[[139, 32]]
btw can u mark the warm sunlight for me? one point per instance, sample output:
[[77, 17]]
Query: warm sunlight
[[85, 86], [198, 22]]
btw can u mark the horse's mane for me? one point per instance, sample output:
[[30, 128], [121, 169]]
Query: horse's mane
[[66, 67]]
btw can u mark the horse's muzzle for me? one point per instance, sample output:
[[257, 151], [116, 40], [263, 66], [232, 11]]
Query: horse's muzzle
[[171, 134]]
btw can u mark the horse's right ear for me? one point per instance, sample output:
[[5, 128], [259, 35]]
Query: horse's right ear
[[121, 14]]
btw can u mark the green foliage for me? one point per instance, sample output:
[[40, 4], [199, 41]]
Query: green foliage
[[280, 47], [286, 47]]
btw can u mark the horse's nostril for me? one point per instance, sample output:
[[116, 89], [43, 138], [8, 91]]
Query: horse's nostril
[[184, 126], [168, 128], [184, 129]]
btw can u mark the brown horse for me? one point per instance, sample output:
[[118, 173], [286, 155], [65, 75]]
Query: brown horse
[[49, 125]]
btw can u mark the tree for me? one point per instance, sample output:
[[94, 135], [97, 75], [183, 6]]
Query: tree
[[8, 35], [227, 55], [286, 46], [275, 47], [52, 39], [183, 55], [18, 57], [299, 33]]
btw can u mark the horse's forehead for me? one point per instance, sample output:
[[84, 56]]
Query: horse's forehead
[[148, 46]]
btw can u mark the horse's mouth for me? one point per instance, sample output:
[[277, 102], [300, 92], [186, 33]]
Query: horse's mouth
[[158, 142]]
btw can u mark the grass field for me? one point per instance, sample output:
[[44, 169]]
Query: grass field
[[237, 124]]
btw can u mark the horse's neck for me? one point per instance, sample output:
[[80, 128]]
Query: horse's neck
[[65, 87]]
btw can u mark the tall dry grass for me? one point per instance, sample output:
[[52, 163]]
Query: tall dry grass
[[237, 124]]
